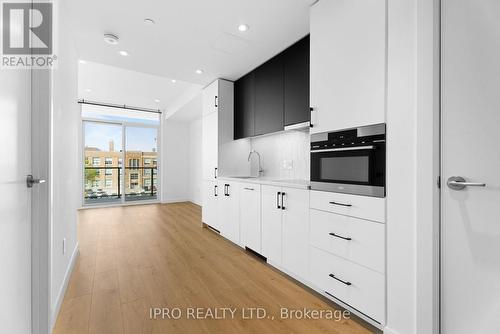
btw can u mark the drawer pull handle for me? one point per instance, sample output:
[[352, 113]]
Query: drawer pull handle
[[341, 204], [249, 188], [338, 279], [339, 236]]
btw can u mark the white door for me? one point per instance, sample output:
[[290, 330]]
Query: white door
[[271, 224], [15, 202], [228, 211], [295, 207], [209, 209], [250, 225], [348, 63], [210, 146], [470, 286], [210, 98]]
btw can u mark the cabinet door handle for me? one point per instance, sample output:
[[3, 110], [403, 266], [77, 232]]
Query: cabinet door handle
[[278, 200], [282, 201], [249, 188], [227, 190], [215, 172], [311, 109], [341, 204], [338, 279], [215, 191], [339, 236], [215, 101]]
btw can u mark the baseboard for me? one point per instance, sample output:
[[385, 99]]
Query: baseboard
[[175, 200], [62, 291], [387, 330]]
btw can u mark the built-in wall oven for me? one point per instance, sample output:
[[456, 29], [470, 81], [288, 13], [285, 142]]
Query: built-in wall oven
[[349, 161]]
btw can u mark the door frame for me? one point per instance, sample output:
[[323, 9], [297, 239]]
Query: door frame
[[428, 166], [123, 125], [41, 240]]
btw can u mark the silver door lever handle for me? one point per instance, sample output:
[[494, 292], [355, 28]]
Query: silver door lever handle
[[30, 181], [459, 183]]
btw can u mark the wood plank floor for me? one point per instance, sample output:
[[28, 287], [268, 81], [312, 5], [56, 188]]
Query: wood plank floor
[[137, 257]]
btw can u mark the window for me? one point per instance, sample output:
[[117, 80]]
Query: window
[[133, 162], [109, 183], [96, 161], [108, 161], [96, 183], [147, 182], [147, 161], [134, 180], [147, 171], [109, 171], [120, 162]]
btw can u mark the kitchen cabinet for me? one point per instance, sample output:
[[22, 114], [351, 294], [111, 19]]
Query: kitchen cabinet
[[271, 224], [285, 228], [210, 146], [296, 83], [268, 108], [209, 212], [250, 216], [244, 107], [210, 98], [274, 95], [348, 64], [295, 207], [228, 206]]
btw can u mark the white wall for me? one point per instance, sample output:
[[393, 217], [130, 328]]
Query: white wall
[[65, 171], [292, 146], [174, 161], [195, 161]]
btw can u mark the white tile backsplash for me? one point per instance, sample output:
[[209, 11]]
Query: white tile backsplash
[[284, 155]]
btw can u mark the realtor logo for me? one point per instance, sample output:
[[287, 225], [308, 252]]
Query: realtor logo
[[27, 35]]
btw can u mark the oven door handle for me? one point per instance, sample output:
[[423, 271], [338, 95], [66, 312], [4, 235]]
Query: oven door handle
[[357, 148]]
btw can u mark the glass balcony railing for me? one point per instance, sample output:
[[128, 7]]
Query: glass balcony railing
[[109, 185]]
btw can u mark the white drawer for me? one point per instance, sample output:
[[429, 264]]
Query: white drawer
[[354, 239], [372, 208], [364, 289]]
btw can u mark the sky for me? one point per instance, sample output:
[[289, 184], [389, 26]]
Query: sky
[[137, 139]]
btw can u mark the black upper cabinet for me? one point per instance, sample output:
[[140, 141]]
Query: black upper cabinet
[[296, 81], [275, 94], [244, 107], [268, 108]]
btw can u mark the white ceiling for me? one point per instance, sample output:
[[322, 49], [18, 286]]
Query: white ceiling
[[116, 85], [188, 34]]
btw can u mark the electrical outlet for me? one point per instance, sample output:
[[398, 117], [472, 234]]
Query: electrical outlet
[[64, 246]]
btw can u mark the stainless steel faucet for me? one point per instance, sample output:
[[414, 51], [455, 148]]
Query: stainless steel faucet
[[261, 171]]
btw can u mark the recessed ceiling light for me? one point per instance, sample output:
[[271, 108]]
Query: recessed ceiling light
[[243, 27], [157, 100], [123, 53], [111, 39], [174, 81], [88, 90], [198, 71], [83, 62], [149, 22]]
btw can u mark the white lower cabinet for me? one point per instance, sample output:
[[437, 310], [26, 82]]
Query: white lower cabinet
[[209, 209], [285, 228], [295, 207], [271, 224], [355, 285], [250, 215], [228, 210]]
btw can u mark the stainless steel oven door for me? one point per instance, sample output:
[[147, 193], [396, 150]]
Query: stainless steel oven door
[[353, 170]]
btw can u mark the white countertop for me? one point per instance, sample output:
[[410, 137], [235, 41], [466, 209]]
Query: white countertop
[[272, 181]]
